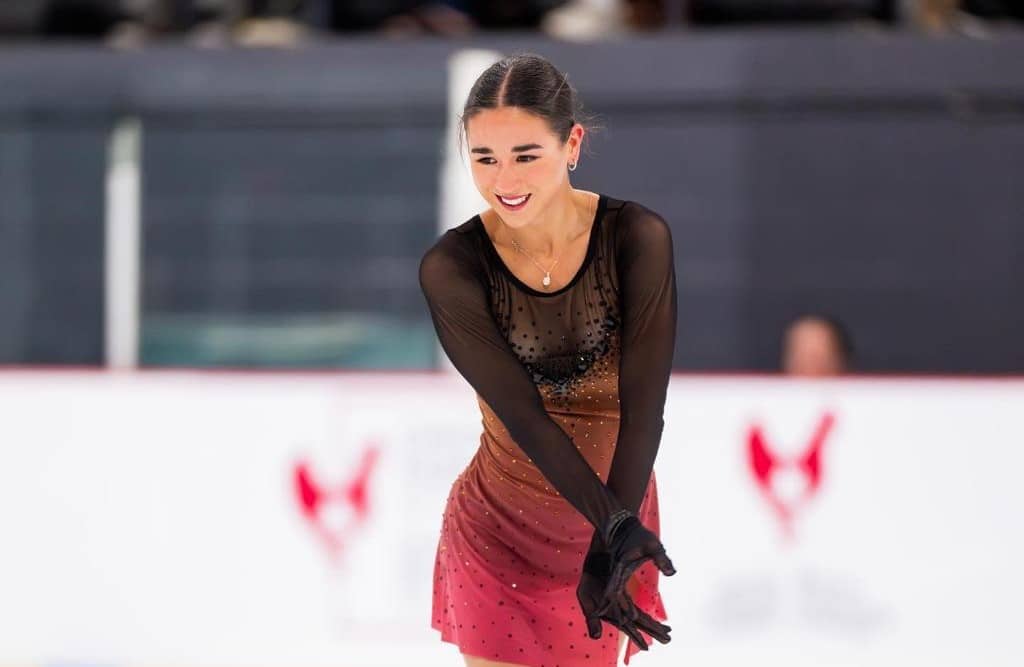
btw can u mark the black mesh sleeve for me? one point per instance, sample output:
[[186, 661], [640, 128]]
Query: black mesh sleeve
[[457, 299], [647, 286], [647, 283]]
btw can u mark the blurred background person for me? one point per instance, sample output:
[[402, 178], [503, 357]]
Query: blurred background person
[[816, 346]]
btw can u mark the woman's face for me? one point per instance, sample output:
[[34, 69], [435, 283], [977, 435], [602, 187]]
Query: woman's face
[[514, 155]]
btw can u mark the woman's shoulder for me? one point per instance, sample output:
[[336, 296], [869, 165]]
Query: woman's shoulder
[[453, 248], [633, 220], [632, 210]]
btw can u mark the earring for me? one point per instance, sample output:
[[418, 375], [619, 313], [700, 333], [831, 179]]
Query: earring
[[572, 167]]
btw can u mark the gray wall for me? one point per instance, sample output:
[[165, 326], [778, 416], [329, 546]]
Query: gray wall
[[876, 176]]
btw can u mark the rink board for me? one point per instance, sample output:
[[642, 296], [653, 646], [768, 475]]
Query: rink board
[[251, 519]]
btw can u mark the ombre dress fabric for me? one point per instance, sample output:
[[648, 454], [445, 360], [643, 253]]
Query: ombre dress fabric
[[511, 546]]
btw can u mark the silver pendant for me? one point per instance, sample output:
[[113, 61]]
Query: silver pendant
[[547, 279]]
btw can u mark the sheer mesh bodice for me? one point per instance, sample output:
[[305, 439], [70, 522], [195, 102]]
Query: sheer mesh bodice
[[521, 349]]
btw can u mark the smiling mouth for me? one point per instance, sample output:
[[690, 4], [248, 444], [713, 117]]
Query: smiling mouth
[[514, 202]]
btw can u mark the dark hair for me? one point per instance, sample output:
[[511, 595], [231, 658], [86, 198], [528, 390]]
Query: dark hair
[[529, 82]]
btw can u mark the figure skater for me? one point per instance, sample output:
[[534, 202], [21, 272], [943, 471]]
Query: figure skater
[[558, 306]]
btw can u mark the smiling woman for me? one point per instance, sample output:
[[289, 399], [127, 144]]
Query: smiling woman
[[558, 305], [526, 127]]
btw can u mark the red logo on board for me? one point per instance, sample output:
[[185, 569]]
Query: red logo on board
[[767, 466], [318, 500]]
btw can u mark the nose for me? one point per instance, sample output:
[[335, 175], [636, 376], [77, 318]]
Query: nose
[[506, 182]]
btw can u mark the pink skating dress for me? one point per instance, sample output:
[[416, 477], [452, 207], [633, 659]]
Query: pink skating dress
[[562, 369]]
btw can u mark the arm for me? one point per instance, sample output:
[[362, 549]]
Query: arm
[[472, 340], [647, 287]]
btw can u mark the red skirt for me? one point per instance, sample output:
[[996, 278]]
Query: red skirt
[[509, 557]]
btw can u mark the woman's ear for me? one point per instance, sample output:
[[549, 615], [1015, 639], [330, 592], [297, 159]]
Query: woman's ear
[[575, 141]]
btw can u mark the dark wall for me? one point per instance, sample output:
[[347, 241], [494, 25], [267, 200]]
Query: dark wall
[[51, 240], [873, 176], [880, 179]]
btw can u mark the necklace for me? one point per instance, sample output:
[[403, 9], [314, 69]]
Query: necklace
[[547, 272]]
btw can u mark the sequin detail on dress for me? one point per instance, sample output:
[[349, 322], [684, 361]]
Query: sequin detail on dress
[[561, 375]]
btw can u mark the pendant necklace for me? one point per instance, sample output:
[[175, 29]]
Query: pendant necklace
[[547, 272]]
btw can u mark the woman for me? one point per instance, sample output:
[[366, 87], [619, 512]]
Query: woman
[[558, 306]]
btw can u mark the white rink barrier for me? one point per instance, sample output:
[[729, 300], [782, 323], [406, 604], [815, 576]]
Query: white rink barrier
[[260, 519]]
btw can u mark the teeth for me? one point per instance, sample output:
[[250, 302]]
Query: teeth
[[513, 202]]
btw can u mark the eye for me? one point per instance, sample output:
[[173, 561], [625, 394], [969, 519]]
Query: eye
[[520, 158]]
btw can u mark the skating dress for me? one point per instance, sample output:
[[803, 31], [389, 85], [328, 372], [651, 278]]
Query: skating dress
[[572, 375]]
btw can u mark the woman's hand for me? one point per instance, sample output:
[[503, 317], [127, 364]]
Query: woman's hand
[[629, 546], [620, 612]]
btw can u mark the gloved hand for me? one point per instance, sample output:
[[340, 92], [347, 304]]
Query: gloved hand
[[629, 545], [624, 614]]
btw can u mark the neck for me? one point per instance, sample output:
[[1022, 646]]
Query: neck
[[554, 229]]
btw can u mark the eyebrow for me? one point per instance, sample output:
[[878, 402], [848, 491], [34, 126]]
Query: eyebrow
[[515, 149]]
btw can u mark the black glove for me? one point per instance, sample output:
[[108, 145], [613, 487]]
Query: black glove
[[629, 545], [623, 614]]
